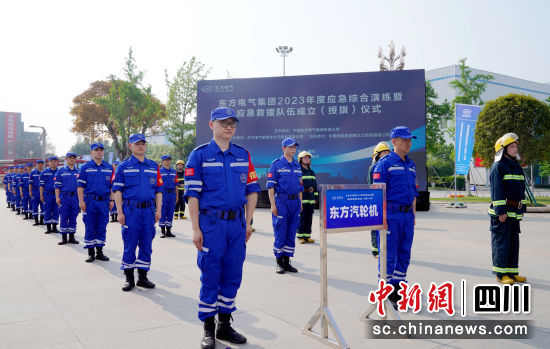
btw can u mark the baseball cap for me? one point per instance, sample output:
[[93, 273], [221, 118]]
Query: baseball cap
[[39, 161], [136, 138], [401, 132], [222, 114], [70, 154], [52, 158], [97, 145], [287, 142], [30, 164], [166, 157]]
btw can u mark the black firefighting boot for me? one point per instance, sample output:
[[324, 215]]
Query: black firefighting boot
[[12, 207], [99, 255], [36, 222], [9, 205], [208, 341], [18, 212], [130, 283], [143, 281], [41, 220], [54, 228], [280, 266], [394, 296], [64, 240], [287, 266], [91, 255], [48, 228], [26, 214], [226, 332], [163, 231], [72, 239], [169, 232]]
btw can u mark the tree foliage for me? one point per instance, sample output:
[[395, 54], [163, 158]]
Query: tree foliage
[[91, 119], [469, 88], [523, 115], [182, 105], [156, 151], [82, 146]]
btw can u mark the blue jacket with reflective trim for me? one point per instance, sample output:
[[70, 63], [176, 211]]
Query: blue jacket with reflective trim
[[24, 183], [138, 181], [65, 179], [96, 180], [46, 179], [35, 180], [285, 177], [220, 180], [399, 176], [507, 183], [168, 178]]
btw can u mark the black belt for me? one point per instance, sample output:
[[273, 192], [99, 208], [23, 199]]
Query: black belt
[[400, 208], [138, 204], [227, 215], [70, 193], [168, 190], [97, 197], [287, 196]]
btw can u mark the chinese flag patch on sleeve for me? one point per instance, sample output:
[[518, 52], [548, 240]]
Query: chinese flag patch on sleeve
[[270, 175], [190, 171], [376, 175]]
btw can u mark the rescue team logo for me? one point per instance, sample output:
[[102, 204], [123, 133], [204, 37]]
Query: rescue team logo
[[376, 175], [152, 180], [487, 299], [243, 178], [190, 171], [270, 175]]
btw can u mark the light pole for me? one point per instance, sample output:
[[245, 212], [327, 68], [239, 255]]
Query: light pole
[[392, 59], [43, 139], [284, 51]]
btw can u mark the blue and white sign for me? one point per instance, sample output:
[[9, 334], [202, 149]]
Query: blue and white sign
[[465, 126], [351, 208]]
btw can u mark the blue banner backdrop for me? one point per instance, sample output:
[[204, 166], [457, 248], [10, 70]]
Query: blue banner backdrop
[[465, 126], [339, 118]]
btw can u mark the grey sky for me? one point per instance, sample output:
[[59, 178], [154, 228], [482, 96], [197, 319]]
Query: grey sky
[[52, 50]]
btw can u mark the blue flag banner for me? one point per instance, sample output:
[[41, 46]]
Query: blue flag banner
[[466, 118], [354, 208]]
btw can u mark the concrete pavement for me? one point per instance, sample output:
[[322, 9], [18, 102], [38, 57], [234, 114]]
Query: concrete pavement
[[49, 297]]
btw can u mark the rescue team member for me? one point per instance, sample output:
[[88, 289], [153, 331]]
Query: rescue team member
[[284, 185], [6, 182], [113, 211], [398, 171], [137, 189], [66, 198], [24, 189], [309, 198], [47, 195], [34, 189], [95, 200], [168, 197], [380, 151], [15, 188], [507, 208], [221, 191], [180, 187]]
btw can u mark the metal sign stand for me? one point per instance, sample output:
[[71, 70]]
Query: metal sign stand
[[383, 276], [323, 313]]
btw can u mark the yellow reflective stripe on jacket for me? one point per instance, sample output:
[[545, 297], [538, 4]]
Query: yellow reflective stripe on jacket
[[308, 201], [518, 216], [499, 202], [316, 193], [513, 177], [308, 177]]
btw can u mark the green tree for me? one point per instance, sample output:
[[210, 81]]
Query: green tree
[[523, 115], [156, 151], [82, 146], [181, 107], [469, 88], [131, 108]]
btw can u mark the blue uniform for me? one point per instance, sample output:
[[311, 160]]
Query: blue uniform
[[286, 178], [221, 181], [7, 181], [25, 199], [65, 181], [51, 210], [401, 190], [139, 182], [37, 206], [168, 196], [96, 181], [15, 187]]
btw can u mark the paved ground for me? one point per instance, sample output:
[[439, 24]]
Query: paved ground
[[49, 297]]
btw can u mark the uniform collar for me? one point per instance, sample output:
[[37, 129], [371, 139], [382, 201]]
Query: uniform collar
[[285, 161], [395, 156], [133, 160], [214, 146]]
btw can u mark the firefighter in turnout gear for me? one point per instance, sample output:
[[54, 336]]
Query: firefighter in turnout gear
[[180, 188], [508, 204], [380, 151], [309, 198]]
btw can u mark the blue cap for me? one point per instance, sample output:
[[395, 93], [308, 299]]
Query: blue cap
[[53, 158], [166, 157], [97, 145], [30, 164], [39, 161], [70, 154], [287, 142], [401, 132], [20, 166], [136, 138], [222, 114]]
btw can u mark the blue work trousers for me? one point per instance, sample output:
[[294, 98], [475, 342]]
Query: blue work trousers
[[51, 210], [95, 220], [26, 202], [168, 206], [138, 231], [37, 205], [68, 212], [285, 225]]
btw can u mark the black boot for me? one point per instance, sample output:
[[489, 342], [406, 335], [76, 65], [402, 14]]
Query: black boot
[[287, 266], [280, 266], [143, 281], [130, 283], [64, 240], [169, 232], [26, 216], [394, 296], [113, 218], [116, 217], [9, 205], [226, 332], [91, 253], [208, 341], [72, 239], [48, 228], [163, 231], [36, 222], [18, 211], [99, 255], [54, 228], [12, 207], [41, 220]]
